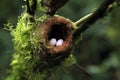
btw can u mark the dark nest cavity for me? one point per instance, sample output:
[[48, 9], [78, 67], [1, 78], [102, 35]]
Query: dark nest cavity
[[58, 31]]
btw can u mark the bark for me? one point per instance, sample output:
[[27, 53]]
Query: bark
[[53, 5]]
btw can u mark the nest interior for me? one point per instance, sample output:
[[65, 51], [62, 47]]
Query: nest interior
[[59, 28]]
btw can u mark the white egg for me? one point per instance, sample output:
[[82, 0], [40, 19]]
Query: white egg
[[59, 42], [52, 41]]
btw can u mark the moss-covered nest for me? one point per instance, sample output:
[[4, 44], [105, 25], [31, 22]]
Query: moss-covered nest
[[34, 58]]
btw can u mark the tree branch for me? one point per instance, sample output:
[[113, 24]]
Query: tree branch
[[31, 6], [53, 5], [91, 18]]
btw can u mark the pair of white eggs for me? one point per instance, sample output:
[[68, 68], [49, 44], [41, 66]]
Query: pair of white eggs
[[54, 42]]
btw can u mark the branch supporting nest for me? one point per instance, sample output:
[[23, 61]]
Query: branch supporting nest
[[91, 18], [57, 27]]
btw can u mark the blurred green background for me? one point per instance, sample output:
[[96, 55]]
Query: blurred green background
[[98, 51]]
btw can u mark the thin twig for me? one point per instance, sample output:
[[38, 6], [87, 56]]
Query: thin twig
[[80, 21], [82, 69]]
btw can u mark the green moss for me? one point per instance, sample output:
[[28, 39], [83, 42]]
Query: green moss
[[23, 62], [22, 39], [26, 65]]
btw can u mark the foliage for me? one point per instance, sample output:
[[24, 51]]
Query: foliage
[[98, 49]]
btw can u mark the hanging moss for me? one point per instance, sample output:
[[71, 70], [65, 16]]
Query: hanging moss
[[23, 61], [25, 64]]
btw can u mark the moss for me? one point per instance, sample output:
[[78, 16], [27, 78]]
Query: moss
[[26, 62], [24, 42]]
